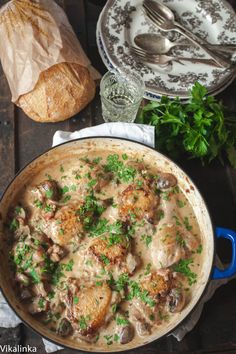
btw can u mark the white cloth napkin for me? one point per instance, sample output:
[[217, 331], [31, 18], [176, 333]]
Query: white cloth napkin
[[146, 135]]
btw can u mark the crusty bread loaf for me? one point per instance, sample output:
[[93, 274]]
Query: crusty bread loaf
[[61, 91]]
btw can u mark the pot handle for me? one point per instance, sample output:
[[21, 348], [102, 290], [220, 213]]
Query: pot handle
[[231, 270]]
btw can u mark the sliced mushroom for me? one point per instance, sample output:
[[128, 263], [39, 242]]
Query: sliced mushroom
[[39, 289], [56, 253], [25, 294], [39, 255], [176, 300], [39, 304], [131, 263], [166, 180], [20, 212], [23, 279], [141, 319], [64, 328], [49, 190], [143, 328], [126, 334]]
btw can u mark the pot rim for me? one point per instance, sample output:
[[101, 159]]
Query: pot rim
[[207, 280]]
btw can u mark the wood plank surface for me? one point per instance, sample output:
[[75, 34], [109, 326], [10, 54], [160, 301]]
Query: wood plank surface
[[22, 139]]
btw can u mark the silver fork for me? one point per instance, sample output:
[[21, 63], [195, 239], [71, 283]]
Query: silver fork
[[162, 59], [167, 25]]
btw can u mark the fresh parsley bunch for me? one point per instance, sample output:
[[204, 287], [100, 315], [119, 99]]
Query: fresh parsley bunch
[[198, 127]]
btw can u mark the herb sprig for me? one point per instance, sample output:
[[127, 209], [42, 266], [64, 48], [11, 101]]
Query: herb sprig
[[199, 127]]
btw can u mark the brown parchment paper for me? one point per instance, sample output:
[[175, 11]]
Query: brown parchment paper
[[35, 35]]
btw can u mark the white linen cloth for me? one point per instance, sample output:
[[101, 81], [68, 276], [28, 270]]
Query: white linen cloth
[[146, 135]]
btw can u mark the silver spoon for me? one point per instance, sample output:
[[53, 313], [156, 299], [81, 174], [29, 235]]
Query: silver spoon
[[157, 44], [164, 18]]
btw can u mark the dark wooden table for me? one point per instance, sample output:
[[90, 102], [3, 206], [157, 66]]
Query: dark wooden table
[[21, 139]]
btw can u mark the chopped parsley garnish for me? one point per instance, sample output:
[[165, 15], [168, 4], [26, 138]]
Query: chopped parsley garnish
[[163, 316], [177, 221], [183, 267], [152, 317], [57, 274], [114, 231], [160, 214], [75, 300], [85, 159], [180, 203], [89, 262], [49, 193], [51, 295], [90, 205], [139, 183], [99, 228], [179, 239], [48, 208], [66, 198], [18, 210], [92, 183], [35, 276], [114, 239], [175, 190], [136, 291], [116, 337], [41, 303], [73, 188], [199, 249], [21, 254], [117, 167], [36, 242], [122, 281], [124, 156], [186, 224], [147, 269], [97, 160], [97, 338], [108, 339], [69, 266], [114, 308], [14, 225], [121, 321], [147, 239], [98, 283], [104, 259], [48, 176], [64, 190], [62, 168], [165, 195], [38, 204], [83, 323]]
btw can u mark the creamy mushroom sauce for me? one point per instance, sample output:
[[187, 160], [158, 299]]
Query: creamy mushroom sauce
[[106, 248]]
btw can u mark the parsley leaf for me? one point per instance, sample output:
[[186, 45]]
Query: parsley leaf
[[121, 321], [183, 266]]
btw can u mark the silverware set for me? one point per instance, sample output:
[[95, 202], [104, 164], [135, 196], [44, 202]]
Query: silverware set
[[153, 48], [162, 59]]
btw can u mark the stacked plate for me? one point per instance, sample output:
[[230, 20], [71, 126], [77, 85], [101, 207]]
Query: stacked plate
[[121, 20]]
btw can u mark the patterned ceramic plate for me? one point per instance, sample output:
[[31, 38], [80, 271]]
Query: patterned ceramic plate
[[148, 94], [214, 20]]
